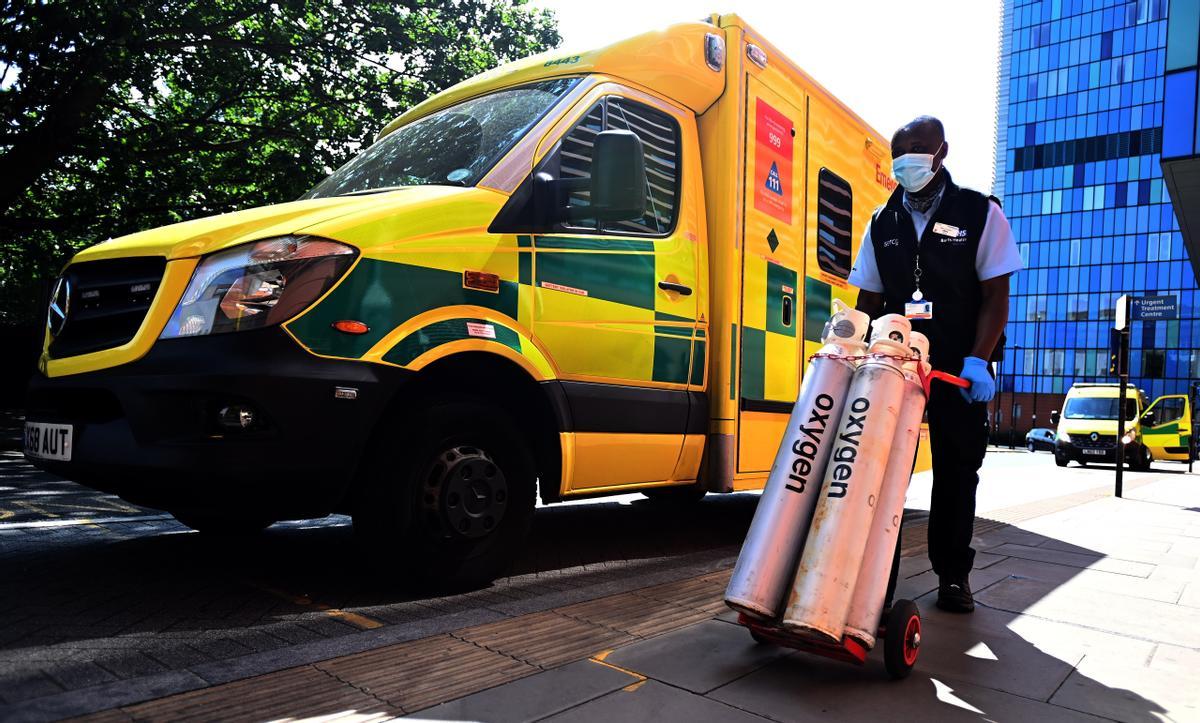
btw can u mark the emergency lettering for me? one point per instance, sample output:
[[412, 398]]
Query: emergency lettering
[[806, 449], [847, 453]]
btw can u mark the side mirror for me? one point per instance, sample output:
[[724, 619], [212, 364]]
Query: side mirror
[[618, 177], [1148, 418], [1054, 417]]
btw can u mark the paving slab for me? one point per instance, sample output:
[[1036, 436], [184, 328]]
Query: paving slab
[[1082, 559], [1118, 614], [697, 658], [1149, 588], [807, 688], [654, 702], [997, 659], [535, 697], [1103, 689]]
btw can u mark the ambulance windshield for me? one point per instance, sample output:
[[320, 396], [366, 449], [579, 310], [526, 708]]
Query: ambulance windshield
[[455, 146], [1098, 408]]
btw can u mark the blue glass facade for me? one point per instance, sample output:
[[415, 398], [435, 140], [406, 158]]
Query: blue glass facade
[[1079, 143]]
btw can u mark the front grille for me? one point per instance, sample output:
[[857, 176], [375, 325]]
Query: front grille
[[1103, 441], [109, 301], [72, 405]]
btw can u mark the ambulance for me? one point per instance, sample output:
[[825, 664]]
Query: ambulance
[[1086, 429], [578, 274]]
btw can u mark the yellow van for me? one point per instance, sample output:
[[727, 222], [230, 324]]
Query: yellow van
[[577, 274], [1087, 426]]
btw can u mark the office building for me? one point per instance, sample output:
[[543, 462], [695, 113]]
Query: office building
[[1093, 96]]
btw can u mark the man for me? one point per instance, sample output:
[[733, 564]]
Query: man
[[941, 255]]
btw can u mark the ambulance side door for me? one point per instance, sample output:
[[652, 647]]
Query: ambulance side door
[[615, 303], [772, 272], [1165, 424]]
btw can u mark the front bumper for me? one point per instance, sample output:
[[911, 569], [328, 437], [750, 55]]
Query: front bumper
[[148, 431], [1080, 453]]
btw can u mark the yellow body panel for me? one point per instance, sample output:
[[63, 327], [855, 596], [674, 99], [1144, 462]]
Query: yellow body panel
[[644, 458]]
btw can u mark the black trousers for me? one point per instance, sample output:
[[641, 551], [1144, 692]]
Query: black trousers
[[957, 442]]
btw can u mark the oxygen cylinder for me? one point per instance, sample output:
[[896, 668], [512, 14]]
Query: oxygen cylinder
[[768, 558], [866, 605], [828, 570]]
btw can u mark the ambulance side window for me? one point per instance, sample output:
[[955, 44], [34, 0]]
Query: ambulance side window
[[835, 204], [659, 134]]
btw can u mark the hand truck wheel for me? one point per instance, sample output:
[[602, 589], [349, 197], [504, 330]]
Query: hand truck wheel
[[902, 640]]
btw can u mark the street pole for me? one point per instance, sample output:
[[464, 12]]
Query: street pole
[[1038, 351], [1192, 437], [1012, 400], [1123, 380]]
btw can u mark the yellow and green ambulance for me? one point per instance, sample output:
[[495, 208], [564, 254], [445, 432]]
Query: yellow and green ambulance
[[578, 274], [1087, 426]]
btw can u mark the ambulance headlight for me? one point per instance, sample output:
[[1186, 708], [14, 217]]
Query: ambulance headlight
[[257, 284]]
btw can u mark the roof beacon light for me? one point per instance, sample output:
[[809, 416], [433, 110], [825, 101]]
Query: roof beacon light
[[714, 51]]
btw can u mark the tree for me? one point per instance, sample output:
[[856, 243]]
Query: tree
[[119, 118]]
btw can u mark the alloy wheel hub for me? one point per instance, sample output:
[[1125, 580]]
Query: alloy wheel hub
[[466, 493]]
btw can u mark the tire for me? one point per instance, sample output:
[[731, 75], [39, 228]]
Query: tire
[[1060, 460], [222, 527], [759, 639], [448, 495], [902, 640], [1031, 446], [676, 496], [1142, 459]]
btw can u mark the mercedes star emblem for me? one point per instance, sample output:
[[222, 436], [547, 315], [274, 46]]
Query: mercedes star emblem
[[60, 306]]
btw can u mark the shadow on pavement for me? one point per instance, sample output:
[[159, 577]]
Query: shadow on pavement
[[1004, 662]]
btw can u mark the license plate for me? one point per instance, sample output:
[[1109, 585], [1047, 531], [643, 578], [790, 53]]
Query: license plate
[[1095, 451], [48, 441]]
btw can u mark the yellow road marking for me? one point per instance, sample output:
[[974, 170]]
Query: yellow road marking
[[34, 508], [358, 620], [599, 659], [5, 514]]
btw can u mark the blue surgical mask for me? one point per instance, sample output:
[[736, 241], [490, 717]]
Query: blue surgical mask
[[914, 171]]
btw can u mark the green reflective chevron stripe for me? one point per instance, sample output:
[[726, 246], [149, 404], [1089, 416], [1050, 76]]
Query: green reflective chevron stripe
[[754, 363], [567, 243], [671, 357], [697, 376], [384, 295], [818, 304], [446, 331], [621, 278], [684, 331]]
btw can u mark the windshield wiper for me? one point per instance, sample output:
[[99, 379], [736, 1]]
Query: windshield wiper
[[368, 191]]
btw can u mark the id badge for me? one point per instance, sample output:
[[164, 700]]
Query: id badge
[[919, 310]]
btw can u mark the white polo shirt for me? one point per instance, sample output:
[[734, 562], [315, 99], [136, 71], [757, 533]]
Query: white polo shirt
[[997, 254]]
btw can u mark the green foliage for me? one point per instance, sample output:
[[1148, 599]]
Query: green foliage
[[119, 118]]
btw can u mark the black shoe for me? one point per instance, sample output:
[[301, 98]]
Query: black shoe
[[954, 595]]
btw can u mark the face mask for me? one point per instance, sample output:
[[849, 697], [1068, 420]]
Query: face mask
[[914, 171]]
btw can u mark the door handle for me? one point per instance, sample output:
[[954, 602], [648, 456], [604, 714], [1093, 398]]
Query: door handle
[[677, 288]]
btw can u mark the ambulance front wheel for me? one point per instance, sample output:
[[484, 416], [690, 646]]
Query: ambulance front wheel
[[448, 495], [902, 639]]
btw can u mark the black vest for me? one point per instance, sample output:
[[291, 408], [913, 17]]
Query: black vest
[[948, 276]]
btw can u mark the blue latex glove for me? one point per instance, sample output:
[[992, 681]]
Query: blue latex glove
[[983, 386]]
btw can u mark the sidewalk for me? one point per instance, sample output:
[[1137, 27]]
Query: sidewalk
[[1087, 606]]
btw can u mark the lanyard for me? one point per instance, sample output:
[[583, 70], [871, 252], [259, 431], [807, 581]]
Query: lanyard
[[917, 295]]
